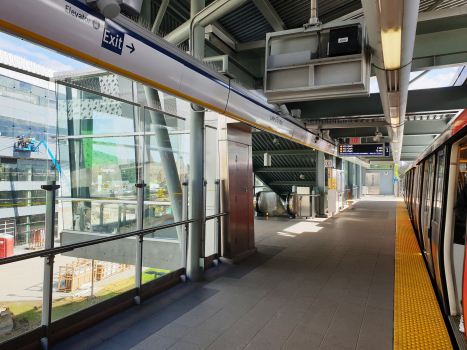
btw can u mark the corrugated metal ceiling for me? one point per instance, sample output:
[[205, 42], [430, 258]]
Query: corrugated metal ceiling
[[246, 23], [295, 13], [263, 141], [287, 161], [425, 4]]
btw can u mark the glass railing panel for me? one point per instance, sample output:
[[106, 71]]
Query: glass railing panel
[[86, 220], [166, 167], [87, 276], [158, 213], [162, 253], [211, 175], [20, 296]]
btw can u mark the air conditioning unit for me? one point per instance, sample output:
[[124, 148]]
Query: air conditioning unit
[[318, 62]]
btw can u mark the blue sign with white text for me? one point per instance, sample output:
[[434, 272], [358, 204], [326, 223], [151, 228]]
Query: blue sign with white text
[[113, 38], [386, 149]]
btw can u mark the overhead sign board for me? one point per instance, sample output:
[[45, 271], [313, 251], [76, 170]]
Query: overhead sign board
[[364, 149]]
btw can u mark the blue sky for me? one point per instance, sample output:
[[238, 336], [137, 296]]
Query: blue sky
[[38, 54], [433, 79]]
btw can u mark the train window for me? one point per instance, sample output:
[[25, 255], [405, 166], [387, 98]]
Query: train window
[[417, 201], [460, 208], [439, 187], [429, 170]]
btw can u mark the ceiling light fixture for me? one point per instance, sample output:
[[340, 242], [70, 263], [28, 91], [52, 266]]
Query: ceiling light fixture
[[391, 32]]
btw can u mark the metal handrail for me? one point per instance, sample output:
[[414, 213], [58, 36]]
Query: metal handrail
[[70, 247], [210, 217]]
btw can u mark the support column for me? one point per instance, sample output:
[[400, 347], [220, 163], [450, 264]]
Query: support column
[[169, 165], [350, 183], [320, 180], [196, 163], [359, 181]]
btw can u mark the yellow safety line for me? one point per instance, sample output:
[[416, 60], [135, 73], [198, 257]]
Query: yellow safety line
[[418, 322]]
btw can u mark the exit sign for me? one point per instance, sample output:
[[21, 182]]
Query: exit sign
[[355, 141]]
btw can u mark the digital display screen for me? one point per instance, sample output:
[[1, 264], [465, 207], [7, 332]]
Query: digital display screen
[[365, 149]]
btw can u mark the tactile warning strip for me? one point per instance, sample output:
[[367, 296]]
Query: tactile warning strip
[[418, 322]]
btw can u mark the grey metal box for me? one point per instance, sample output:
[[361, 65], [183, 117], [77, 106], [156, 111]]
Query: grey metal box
[[131, 7], [300, 68]]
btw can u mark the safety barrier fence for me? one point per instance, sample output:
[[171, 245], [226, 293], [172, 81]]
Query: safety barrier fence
[[53, 329]]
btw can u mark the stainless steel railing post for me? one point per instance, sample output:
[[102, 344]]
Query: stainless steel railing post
[[48, 260], [203, 236], [217, 226], [139, 240], [184, 241], [313, 204], [101, 214]]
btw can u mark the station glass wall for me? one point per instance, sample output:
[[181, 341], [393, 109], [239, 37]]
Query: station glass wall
[[27, 108], [107, 139]]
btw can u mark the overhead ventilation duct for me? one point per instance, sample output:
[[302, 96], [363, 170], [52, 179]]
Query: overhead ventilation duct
[[391, 26], [109, 8]]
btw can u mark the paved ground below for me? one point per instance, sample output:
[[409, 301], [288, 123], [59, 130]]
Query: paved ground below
[[314, 284]]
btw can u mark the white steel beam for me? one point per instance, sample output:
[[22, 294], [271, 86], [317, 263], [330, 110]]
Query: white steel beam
[[207, 16], [265, 7]]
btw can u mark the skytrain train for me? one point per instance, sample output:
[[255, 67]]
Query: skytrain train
[[435, 193]]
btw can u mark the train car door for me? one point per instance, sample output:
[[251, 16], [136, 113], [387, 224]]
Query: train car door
[[417, 202], [408, 192], [436, 226], [426, 210], [454, 228]]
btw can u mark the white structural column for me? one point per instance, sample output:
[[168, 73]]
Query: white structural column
[[160, 16], [359, 180], [320, 180], [196, 203]]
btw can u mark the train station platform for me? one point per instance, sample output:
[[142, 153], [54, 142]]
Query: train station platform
[[314, 284]]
